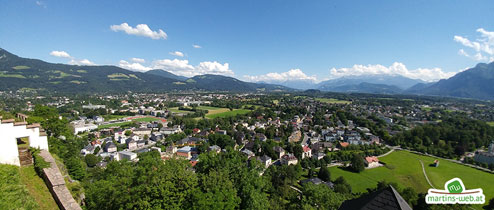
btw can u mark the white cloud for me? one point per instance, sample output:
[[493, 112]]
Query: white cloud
[[196, 46], [133, 66], [41, 4], [139, 30], [138, 60], [291, 75], [214, 67], [181, 67], [483, 47], [83, 62], [426, 74], [73, 61], [177, 53], [60, 54]]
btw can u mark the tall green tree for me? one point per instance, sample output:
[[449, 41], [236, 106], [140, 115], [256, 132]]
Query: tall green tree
[[357, 163], [324, 174]]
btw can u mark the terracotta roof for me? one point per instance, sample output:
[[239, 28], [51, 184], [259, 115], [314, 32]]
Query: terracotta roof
[[371, 159], [306, 149], [344, 144]]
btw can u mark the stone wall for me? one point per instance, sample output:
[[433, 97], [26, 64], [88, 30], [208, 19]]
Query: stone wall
[[56, 183]]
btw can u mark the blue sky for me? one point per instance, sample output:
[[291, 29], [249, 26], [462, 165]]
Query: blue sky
[[256, 40]]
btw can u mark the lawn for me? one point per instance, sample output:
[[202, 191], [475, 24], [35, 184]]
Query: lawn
[[404, 168], [215, 112], [114, 124], [333, 101], [113, 117], [228, 113], [145, 119], [490, 123], [176, 110], [37, 188]]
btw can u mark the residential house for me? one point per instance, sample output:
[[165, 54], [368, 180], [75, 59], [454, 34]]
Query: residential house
[[265, 160], [316, 181], [140, 143], [110, 147], [127, 155], [248, 153], [131, 143], [185, 152], [307, 152], [171, 149], [279, 151], [214, 148], [371, 162], [289, 159]]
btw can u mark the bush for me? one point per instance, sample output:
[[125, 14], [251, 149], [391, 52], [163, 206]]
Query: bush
[[39, 162]]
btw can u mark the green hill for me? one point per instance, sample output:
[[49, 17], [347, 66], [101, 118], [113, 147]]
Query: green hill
[[31, 74]]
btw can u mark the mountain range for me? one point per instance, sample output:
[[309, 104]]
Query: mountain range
[[18, 73]]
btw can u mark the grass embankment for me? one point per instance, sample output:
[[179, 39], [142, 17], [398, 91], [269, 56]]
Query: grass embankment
[[13, 192], [405, 169], [37, 188], [333, 101]]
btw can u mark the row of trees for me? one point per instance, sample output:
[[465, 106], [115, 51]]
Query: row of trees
[[450, 138]]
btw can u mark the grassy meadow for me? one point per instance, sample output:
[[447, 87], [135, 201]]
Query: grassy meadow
[[404, 168]]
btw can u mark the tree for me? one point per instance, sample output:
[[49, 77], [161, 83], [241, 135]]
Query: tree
[[341, 186], [324, 174], [76, 168], [320, 197], [128, 132], [216, 191], [357, 163], [91, 160]]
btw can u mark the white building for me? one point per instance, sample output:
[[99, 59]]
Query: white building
[[81, 128], [10, 131], [127, 155]]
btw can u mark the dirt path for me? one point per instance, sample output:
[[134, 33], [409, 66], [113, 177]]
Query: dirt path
[[427, 178]]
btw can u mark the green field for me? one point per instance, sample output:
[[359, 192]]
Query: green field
[[21, 67], [404, 168], [113, 117], [145, 119], [490, 123], [176, 110], [209, 108], [228, 113], [12, 75], [114, 125], [215, 112], [333, 101]]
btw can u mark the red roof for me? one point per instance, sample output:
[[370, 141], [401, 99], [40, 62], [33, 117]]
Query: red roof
[[344, 144], [371, 159], [193, 163], [306, 149]]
